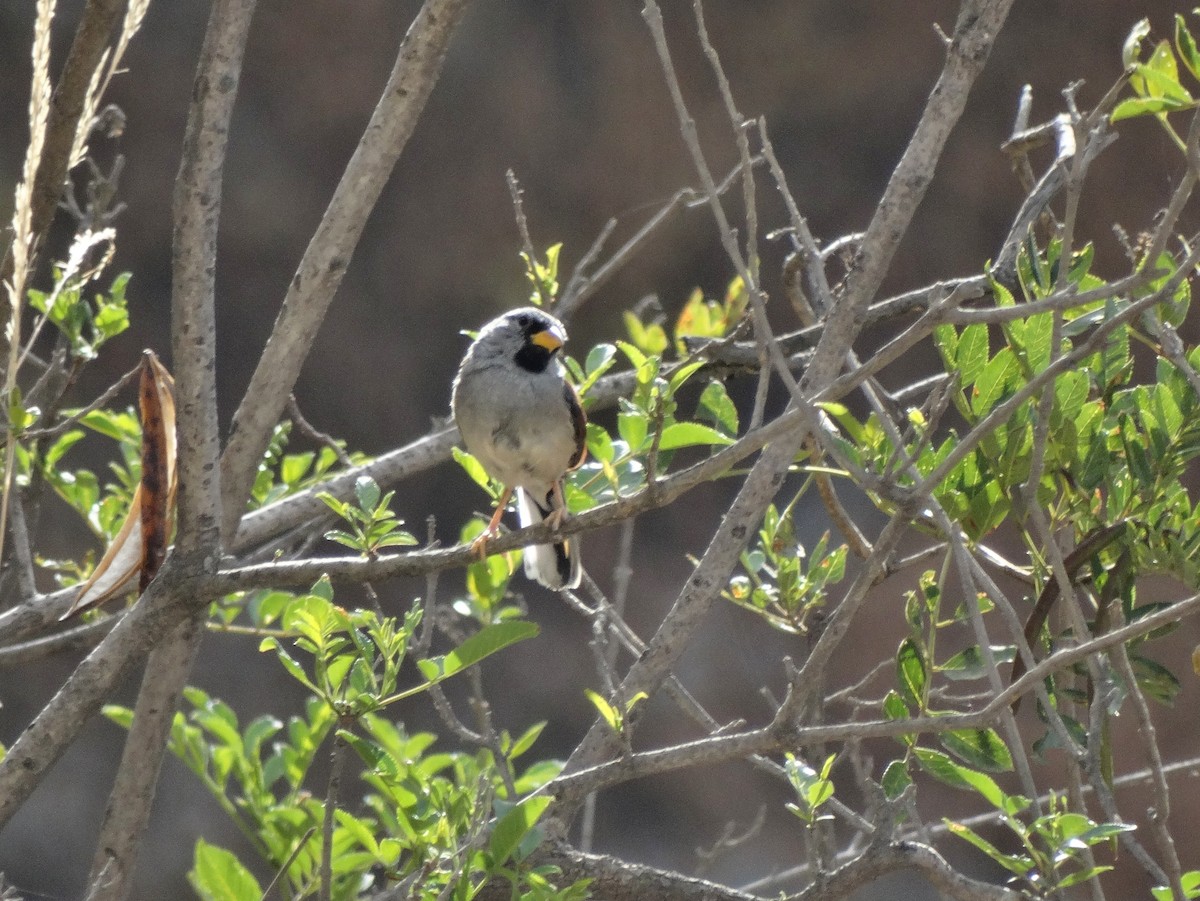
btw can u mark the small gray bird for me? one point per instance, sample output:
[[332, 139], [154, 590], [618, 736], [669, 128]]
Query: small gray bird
[[522, 420]]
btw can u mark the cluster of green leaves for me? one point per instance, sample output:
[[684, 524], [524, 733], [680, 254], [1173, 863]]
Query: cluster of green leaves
[[372, 524], [1154, 77], [282, 473], [813, 788], [778, 583], [648, 423], [86, 325], [102, 507], [543, 275], [1054, 847], [357, 655], [700, 317], [916, 667], [1116, 451], [439, 820]]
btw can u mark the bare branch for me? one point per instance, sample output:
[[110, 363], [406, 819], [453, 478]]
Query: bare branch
[[84, 637], [878, 861], [178, 591], [619, 880], [782, 733], [979, 23], [128, 811], [197, 211]]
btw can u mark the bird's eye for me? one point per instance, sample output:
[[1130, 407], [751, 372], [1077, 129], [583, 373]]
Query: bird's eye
[[523, 321]]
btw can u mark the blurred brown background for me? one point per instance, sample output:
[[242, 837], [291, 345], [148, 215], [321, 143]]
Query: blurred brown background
[[571, 97]]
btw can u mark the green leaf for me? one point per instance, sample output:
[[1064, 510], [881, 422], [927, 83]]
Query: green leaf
[[941, 767], [972, 353], [610, 714], [993, 381], [295, 467], [894, 707], [473, 468], [1013, 863], [515, 825], [1144, 106], [690, 434], [485, 642], [289, 663], [367, 492], [895, 779], [983, 748], [1080, 877], [1155, 679], [398, 539], [525, 741], [1104, 831], [969, 663], [122, 716], [1189, 54], [716, 406], [633, 425], [911, 673], [649, 338], [218, 875], [600, 358], [1159, 75], [599, 443]]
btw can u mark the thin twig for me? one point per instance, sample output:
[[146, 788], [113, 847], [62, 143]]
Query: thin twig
[[531, 258], [100, 402], [313, 434], [337, 758]]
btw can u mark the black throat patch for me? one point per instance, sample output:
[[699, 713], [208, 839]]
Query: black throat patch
[[533, 357]]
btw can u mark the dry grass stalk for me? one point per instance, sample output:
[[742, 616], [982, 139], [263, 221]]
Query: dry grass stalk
[[22, 246]]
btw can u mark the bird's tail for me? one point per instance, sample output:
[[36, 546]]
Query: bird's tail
[[553, 565]]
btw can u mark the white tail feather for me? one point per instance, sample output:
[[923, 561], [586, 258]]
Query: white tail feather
[[554, 565]]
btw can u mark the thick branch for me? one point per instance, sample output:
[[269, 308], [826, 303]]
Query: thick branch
[[197, 210], [880, 860], [132, 795], [619, 880], [324, 263], [698, 594], [979, 23], [177, 592]]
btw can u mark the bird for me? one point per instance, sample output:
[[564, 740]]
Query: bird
[[523, 421]]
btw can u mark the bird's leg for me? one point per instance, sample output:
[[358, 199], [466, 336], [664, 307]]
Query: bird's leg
[[559, 513], [479, 545]]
